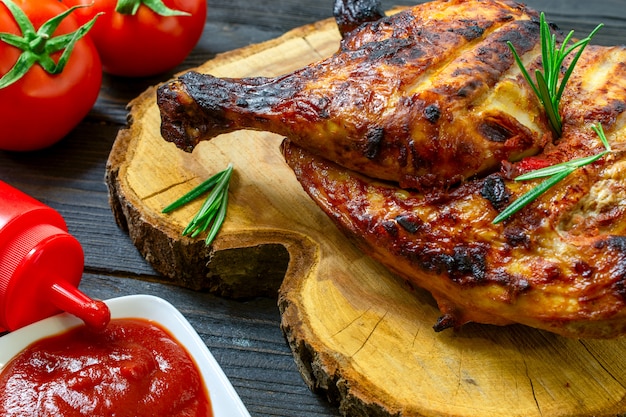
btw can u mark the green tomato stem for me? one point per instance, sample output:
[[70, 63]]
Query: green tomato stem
[[37, 46]]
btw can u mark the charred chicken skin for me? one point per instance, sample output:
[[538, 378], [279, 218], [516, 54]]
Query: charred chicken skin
[[410, 138], [414, 98]]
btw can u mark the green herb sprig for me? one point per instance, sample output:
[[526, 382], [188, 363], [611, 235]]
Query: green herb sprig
[[547, 86], [213, 212], [554, 174]]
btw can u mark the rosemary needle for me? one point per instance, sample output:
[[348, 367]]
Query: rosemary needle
[[546, 85], [195, 193], [531, 195], [554, 173], [221, 215], [213, 211]]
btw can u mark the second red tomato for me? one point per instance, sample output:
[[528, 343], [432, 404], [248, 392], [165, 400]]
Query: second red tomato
[[144, 43]]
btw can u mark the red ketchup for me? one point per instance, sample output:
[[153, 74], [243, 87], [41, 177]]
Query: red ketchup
[[41, 265], [133, 368]]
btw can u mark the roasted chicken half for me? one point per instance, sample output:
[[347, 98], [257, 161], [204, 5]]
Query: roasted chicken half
[[410, 138]]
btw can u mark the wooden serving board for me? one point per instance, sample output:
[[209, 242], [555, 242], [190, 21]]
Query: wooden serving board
[[359, 335]]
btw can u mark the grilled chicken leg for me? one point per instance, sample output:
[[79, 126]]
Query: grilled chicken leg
[[427, 97]]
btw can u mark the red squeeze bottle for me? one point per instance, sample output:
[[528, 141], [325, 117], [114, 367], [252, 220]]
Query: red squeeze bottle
[[41, 265]]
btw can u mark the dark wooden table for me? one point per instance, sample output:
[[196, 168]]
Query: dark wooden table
[[244, 336]]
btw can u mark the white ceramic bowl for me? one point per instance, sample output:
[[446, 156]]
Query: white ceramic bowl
[[224, 399]]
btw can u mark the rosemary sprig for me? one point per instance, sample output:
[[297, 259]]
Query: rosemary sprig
[[213, 211], [554, 174], [549, 90], [547, 86]]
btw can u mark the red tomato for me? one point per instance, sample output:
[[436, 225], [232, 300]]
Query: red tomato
[[144, 43], [40, 109]]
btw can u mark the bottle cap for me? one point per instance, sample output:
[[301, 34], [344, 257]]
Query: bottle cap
[[41, 265]]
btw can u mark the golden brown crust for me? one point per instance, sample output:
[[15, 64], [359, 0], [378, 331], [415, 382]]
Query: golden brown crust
[[559, 264], [408, 98], [529, 270]]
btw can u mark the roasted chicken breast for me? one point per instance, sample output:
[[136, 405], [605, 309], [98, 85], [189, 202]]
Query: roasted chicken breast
[[410, 138]]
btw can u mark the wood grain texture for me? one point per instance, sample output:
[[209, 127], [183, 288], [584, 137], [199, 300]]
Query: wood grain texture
[[359, 335]]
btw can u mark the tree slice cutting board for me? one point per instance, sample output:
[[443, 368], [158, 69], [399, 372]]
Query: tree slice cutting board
[[359, 335]]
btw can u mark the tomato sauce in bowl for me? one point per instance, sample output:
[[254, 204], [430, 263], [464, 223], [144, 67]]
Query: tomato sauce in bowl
[[133, 368]]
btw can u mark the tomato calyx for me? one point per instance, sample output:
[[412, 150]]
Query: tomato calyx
[[130, 7], [38, 45]]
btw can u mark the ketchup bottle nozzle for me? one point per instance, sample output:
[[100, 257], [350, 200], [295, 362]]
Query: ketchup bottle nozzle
[[35, 250], [67, 297]]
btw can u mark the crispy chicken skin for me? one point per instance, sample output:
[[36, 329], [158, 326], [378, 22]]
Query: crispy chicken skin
[[410, 138], [558, 265], [426, 97]]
